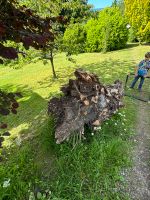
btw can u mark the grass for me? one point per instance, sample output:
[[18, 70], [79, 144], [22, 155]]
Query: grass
[[37, 167]]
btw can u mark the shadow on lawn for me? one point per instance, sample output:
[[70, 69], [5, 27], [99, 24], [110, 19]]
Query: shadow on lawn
[[32, 113], [110, 70], [31, 135], [62, 78], [144, 95], [132, 45]]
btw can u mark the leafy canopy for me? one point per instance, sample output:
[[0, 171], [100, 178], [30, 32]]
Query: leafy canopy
[[138, 14], [20, 24], [108, 32], [74, 38]]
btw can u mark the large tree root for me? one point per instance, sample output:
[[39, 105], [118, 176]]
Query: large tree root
[[85, 101]]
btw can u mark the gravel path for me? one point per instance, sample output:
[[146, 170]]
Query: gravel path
[[138, 178]]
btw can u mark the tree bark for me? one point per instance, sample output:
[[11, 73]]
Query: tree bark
[[85, 102], [52, 64]]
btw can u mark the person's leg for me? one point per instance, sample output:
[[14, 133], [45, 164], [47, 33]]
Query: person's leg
[[134, 81], [141, 83]]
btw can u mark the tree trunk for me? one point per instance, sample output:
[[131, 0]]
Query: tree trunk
[[52, 64], [85, 102]]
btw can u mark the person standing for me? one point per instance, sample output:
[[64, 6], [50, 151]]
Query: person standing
[[141, 71]]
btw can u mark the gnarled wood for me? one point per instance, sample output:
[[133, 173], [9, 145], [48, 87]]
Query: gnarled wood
[[85, 101]]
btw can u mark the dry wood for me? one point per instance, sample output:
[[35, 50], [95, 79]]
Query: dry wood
[[85, 102]]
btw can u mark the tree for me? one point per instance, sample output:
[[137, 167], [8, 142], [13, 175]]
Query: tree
[[74, 38], [73, 10], [114, 3], [121, 6], [108, 32], [77, 11], [138, 16], [49, 53], [44, 8], [21, 25]]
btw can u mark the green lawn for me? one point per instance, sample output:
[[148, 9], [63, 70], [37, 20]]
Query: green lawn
[[35, 165]]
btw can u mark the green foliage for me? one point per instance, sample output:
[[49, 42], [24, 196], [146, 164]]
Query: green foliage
[[64, 172], [121, 6], [74, 38], [24, 56], [92, 169], [93, 35], [132, 35], [17, 173], [41, 169], [43, 7], [74, 10], [138, 16], [108, 32], [114, 3], [23, 26]]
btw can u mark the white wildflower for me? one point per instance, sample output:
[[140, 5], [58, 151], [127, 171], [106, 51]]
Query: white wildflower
[[18, 141], [99, 128], [6, 183], [115, 124], [122, 173], [31, 196], [92, 134], [39, 195], [125, 129]]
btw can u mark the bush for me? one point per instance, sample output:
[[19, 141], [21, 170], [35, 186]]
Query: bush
[[108, 32], [132, 35], [74, 39], [93, 30]]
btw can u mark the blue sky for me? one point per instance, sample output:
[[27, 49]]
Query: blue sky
[[100, 3]]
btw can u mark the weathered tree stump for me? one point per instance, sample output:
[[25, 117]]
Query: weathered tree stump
[[85, 102]]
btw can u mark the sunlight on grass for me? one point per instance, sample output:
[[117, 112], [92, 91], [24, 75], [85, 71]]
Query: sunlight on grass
[[92, 170]]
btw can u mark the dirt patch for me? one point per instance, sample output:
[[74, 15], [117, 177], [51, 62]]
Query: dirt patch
[[138, 178]]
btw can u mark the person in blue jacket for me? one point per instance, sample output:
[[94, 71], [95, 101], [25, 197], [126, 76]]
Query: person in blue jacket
[[141, 71]]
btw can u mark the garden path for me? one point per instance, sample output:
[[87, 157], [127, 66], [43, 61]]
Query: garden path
[[138, 177]]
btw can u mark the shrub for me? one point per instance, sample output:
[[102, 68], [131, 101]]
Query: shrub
[[108, 32], [132, 35], [74, 38]]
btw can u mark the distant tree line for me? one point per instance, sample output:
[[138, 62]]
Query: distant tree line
[[86, 30], [106, 32], [138, 15]]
